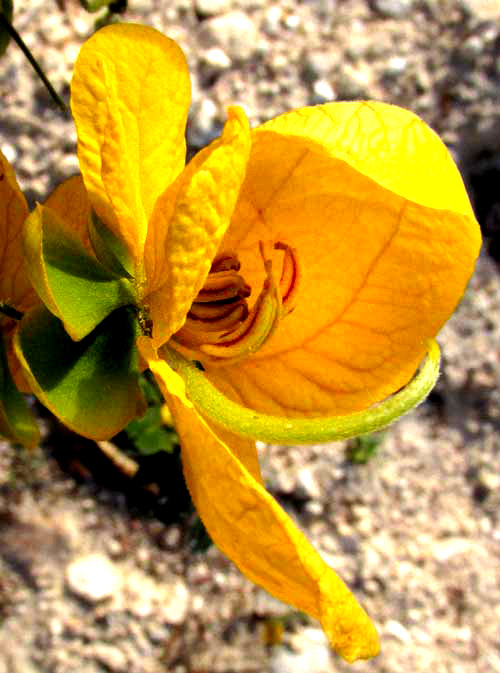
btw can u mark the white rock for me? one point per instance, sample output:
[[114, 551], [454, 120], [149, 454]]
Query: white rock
[[292, 21], [307, 484], [215, 60], [322, 92], [397, 631], [212, 7], [396, 65], [443, 551], [486, 10], [202, 123], [110, 656], [309, 653], [145, 597], [394, 9], [272, 20], [93, 577], [10, 152], [175, 603], [354, 82], [234, 32]]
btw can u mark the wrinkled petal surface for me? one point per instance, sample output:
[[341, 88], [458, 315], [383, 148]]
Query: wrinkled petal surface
[[130, 96], [250, 527], [188, 224], [15, 287], [375, 207]]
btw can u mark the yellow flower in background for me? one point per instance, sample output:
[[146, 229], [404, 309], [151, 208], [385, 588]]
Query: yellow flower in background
[[16, 296], [304, 266], [15, 288]]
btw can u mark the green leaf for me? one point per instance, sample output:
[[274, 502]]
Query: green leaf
[[149, 435], [90, 385], [74, 286], [17, 422], [362, 449], [110, 250], [6, 8]]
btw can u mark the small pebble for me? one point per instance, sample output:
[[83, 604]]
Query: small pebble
[[93, 577], [393, 9]]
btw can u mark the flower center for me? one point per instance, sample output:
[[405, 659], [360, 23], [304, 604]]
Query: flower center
[[220, 327]]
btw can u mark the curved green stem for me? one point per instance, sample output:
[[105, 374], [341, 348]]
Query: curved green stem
[[5, 23], [249, 423]]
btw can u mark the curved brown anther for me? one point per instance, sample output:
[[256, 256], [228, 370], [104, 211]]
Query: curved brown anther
[[213, 312], [290, 277], [196, 332], [219, 328], [226, 261], [222, 285]]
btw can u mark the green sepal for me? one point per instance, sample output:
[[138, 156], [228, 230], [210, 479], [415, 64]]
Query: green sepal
[[110, 250], [73, 285], [6, 8], [214, 405], [17, 422], [90, 385]]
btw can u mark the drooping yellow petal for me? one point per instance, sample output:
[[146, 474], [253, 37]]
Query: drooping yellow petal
[[376, 210], [253, 530], [15, 287], [188, 224], [172, 382], [70, 202], [130, 96]]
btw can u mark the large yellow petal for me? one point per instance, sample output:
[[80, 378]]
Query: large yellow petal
[[376, 209], [15, 287], [253, 530], [387, 143], [130, 96], [188, 224]]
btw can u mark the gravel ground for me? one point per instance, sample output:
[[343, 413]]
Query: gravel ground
[[94, 574]]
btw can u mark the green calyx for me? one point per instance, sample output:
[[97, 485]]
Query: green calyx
[[246, 422], [109, 249], [74, 285]]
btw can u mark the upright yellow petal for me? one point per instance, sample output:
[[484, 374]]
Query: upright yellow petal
[[248, 525], [188, 224], [130, 96], [15, 287], [375, 208]]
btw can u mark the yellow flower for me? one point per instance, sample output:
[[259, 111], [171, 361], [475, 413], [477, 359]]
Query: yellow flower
[[304, 266]]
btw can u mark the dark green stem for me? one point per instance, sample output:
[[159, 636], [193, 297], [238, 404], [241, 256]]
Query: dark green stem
[[92, 6], [10, 311], [5, 23]]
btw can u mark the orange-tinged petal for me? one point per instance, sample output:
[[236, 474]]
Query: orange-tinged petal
[[386, 241], [15, 287], [254, 531], [130, 96], [70, 202], [188, 225]]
